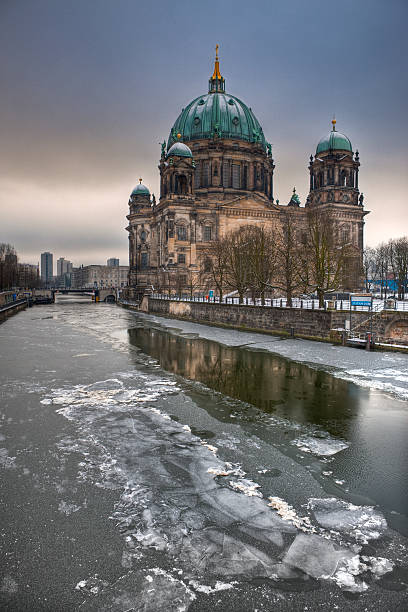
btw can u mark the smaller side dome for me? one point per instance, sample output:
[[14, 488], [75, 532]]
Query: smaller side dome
[[180, 149], [334, 141], [140, 189]]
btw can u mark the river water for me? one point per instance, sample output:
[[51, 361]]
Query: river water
[[152, 464]]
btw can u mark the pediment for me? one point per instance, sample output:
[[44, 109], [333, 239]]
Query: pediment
[[181, 164]]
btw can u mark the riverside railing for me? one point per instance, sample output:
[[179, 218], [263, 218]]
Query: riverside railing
[[303, 304]]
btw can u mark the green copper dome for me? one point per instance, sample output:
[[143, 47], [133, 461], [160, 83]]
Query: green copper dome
[[217, 115], [334, 141], [180, 149], [140, 190]]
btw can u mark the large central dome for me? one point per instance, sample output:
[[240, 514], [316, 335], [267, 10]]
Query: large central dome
[[217, 115]]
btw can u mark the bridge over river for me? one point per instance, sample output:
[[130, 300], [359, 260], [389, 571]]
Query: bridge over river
[[99, 295]]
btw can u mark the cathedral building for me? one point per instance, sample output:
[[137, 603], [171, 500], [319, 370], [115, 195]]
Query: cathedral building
[[216, 175]]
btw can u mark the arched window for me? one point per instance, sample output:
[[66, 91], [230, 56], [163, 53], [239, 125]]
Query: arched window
[[181, 184], [181, 232], [205, 176], [197, 177], [345, 235], [143, 260], [207, 234], [236, 176], [226, 173], [245, 178]]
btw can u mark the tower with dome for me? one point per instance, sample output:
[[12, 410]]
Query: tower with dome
[[216, 175]]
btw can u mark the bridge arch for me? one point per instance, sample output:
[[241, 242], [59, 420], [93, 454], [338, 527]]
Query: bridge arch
[[110, 299]]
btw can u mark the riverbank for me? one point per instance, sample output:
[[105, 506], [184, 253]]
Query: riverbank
[[382, 370], [11, 309], [308, 324]]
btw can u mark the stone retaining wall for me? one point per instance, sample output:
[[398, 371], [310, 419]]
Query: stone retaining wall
[[4, 314], [305, 323]]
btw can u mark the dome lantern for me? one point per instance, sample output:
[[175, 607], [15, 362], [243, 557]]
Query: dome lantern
[[217, 82]]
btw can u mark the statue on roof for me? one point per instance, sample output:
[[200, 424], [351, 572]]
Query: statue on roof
[[294, 200]]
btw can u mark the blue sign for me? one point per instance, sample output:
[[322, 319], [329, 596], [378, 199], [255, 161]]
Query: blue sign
[[361, 300], [211, 293]]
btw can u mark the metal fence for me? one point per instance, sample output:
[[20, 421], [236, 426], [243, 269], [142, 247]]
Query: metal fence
[[305, 304]]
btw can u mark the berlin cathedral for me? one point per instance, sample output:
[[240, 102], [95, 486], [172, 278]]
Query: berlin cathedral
[[216, 175]]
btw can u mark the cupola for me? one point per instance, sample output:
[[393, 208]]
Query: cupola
[[334, 141], [140, 190]]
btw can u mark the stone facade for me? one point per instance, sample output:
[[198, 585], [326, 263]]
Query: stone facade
[[99, 277], [224, 180]]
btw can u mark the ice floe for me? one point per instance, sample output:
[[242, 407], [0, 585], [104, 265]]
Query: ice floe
[[362, 523], [324, 446]]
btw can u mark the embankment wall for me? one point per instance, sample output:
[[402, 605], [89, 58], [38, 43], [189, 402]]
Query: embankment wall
[[305, 323]]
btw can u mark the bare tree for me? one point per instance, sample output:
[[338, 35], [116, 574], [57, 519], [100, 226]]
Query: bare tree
[[398, 251], [262, 259], [288, 257], [8, 266], [213, 264], [323, 257], [238, 273], [194, 281], [369, 267], [383, 267]]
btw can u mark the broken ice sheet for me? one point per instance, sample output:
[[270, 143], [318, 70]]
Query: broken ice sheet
[[315, 555], [214, 553], [363, 523], [321, 446], [152, 590]]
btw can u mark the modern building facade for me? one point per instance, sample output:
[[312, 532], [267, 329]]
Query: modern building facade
[[113, 261], [217, 174], [47, 268], [63, 266]]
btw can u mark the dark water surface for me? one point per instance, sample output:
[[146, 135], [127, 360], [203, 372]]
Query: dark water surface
[[145, 468], [374, 423]]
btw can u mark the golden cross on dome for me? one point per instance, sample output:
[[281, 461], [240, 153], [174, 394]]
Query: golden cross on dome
[[216, 73], [334, 123]]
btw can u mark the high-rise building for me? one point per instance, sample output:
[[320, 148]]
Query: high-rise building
[[46, 267], [63, 266], [113, 261]]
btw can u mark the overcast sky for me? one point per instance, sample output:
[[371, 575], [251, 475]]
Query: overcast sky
[[90, 88]]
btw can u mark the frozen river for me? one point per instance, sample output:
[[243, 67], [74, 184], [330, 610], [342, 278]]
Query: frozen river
[[158, 465]]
